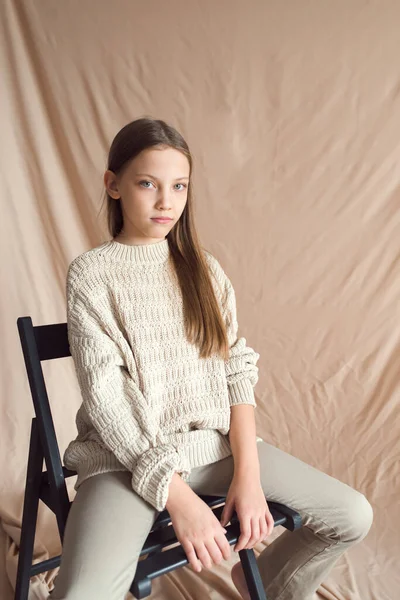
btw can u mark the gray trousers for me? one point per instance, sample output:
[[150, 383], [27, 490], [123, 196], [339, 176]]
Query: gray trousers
[[108, 524]]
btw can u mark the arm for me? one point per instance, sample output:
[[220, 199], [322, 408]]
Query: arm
[[112, 397], [177, 489], [241, 367], [245, 493], [242, 437], [242, 375]]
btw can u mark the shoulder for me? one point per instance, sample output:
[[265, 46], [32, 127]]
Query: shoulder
[[86, 269], [214, 264], [216, 269]]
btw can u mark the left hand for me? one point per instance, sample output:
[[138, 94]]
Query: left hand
[[246, 496]]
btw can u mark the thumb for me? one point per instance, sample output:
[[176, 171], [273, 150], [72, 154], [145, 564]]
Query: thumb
[[226, 514]]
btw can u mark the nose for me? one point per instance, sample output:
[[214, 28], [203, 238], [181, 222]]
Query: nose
[[164, 201]]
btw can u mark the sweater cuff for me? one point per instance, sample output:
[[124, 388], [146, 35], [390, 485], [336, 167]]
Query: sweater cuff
[[153, 473], [241, 392]]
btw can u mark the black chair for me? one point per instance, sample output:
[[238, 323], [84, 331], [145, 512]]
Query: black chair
[[46, 342]]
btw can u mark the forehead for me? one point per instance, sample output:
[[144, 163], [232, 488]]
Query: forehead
[[162, 163]]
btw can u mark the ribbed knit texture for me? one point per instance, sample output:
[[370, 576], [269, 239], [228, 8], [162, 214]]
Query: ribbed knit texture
[[151, 405]]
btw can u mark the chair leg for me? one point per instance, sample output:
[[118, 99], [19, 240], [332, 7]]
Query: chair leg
[[252, 575], [30, 511], [141, 589]]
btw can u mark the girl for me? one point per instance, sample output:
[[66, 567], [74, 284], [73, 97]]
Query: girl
[[168, 400]]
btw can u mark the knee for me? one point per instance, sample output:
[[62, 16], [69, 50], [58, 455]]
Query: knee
[[359, 518]]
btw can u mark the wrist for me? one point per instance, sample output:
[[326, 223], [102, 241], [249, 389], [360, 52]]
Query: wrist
[[248, 472], [177, 488]]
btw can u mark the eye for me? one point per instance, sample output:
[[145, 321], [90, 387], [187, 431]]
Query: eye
[[144, 181]]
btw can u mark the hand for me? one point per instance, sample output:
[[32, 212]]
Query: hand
[[246, 496], [196, 527]]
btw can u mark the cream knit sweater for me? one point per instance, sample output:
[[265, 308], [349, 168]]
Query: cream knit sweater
[[151, 405]]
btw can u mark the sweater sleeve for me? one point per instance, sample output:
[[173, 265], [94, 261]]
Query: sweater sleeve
[[241, 367], [108, 381]]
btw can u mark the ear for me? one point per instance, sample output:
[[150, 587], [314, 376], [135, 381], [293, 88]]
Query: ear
[[111, 184]]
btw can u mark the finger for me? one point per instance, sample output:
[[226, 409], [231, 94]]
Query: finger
[[245, 532], [203, 555], [214, 551], [255, 533], [226, 514], [191, 556], [271, 522], [263, 528], [223, 546]]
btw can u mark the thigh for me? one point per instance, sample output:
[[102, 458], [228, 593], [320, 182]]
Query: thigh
[[327, 505], [106, 528]]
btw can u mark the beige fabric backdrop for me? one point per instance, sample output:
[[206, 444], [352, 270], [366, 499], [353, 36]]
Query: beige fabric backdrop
[[292, 111]]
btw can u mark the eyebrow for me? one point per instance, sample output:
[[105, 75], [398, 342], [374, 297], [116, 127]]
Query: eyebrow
[[154, 177]]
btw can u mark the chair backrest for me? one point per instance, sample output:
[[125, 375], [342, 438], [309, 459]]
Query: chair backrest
[[46, 342]]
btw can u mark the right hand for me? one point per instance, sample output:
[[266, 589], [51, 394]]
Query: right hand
[[198, 530]]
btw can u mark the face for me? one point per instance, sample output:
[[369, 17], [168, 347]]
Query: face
[[154, 184]]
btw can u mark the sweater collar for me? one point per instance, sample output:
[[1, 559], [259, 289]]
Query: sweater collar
[[141, 253]]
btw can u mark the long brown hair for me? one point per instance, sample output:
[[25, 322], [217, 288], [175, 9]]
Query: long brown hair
[[204, 324]]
